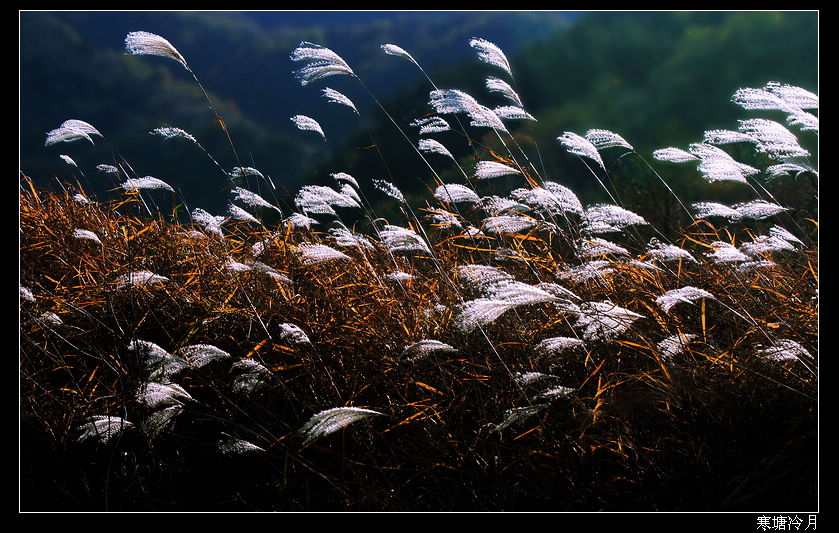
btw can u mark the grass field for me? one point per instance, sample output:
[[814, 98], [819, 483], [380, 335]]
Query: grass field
[[493, 349]]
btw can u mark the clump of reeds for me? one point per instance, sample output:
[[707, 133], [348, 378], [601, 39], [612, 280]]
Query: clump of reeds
[[487, 352]]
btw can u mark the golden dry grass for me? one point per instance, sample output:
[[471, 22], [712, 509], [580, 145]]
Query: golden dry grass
[[717, 427]]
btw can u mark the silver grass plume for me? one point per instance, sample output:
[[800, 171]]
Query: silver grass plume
[[451, 101], [71, 130], [104, 428], [497, 85], [350, 192], [475, 314], [781, 233], [160, 364], [398, 276], [155, 423], [237, 213], [601, 139], [557, 391], [147, 183], [320, 199], [26, 294], [717, 165], [508, 224], [668, 252], [145, 43], [251, 199], [804, 121], [321, 62], [587, 271], [517, 414], [293, 333], [649, 265], [772, 138], [557, 290], [755, 210], [511, 112], [749, 266], [485, 170], [389, 189], [580, 146], [557, 345], [530, 378], [503, 296], [491, 53], [480, 277], [715, 209], [674, 155], [596, 247], [568, 201], [313, 254], [160, 395], [141, 278], [443, 218], [453, 193], [785, 350], [498, 205], [675, 344], [305, 123], [424, 348], [211, 223], [431, 146], [758, 209], [762, 99], [149, 352], [781, 97], [551, 197], [766, 243], [725, 252], [392, 49], [86, 234], [430, 125], [338, 98], [331, 420], [786, 169], [300, 221], [604, 320], [400, 239], [684, 294], [200, 355], [46, 319], [768, 136], [793, 96], [342, 236], [173, 133], [234, 446], [245, 172], [344, 177], [606, 218], [107, 169], [312, 203], [251, 376], [69, 160], [265, 269], [232, 265], [721, 136]]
